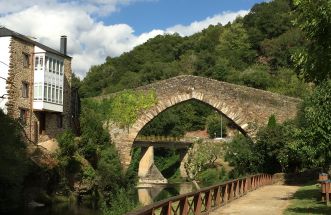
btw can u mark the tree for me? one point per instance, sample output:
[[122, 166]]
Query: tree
[[315, 122], [241, 155], [256, 76], [267, 20], [278, 51], [287, 82], [14, 163], [216, 125], [93, 134], [235, 47], [200, 156], [313, 18]]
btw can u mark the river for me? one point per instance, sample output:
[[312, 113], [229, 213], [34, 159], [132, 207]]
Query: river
[[155, 192], [147, 194]]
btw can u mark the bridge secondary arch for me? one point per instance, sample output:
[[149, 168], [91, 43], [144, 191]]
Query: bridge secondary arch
[[247, 107]]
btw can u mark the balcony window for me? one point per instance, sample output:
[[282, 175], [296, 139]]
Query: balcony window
[[50, 65], [54, 66], [38, 91], [46, 64], [61, 69], [49, 93], [36, 60], [57, 95], [41, 62], [53, 93], [45, 92], [61, 91], [57, 67]]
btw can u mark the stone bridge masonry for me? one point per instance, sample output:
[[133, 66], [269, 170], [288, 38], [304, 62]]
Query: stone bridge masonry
[[247, 107]]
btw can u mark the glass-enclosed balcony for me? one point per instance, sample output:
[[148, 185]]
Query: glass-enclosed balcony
[[48, 83]]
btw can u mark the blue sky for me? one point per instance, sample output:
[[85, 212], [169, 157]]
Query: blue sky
[[161, 14], [100, 28]]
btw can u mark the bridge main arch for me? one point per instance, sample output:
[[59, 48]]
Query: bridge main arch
[[247, 107]]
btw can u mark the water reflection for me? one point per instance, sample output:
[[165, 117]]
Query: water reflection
[[149, 193], [58, 209]]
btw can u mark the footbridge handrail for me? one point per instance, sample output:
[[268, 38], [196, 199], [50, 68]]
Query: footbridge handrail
[[206, 199]]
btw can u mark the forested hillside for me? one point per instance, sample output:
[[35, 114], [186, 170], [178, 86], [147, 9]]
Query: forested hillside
[[255, 50]]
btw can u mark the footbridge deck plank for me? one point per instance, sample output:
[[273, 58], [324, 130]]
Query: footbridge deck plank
[[268, 200]]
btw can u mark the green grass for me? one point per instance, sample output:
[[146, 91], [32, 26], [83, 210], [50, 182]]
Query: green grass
[[307, 200]]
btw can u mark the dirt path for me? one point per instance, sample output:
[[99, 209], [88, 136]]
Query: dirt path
[[269, 200]]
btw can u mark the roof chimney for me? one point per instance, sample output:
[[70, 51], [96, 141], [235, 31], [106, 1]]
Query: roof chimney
[[63, 45]]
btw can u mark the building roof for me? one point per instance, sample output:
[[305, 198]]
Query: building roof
[[5, 32]]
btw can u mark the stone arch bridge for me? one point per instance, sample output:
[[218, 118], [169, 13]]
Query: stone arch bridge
[[247, 107]]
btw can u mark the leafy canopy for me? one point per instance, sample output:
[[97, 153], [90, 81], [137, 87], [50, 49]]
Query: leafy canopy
[[314, 19]]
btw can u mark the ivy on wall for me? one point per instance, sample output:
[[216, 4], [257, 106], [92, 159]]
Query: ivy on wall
[[127, 105]]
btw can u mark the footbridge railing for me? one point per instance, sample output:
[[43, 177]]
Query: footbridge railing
[[207, 199]]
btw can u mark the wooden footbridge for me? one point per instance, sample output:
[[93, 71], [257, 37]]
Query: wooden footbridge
[[207, 199]]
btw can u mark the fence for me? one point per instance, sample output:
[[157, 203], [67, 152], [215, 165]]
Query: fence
[[207, 199]]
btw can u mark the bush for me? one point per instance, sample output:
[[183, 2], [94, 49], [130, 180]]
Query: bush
[[119, 203], [240, 154], [67, 144], [109, 170], [209, 177]]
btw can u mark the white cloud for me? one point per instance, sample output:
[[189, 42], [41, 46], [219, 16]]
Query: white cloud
[[89, 41], [197, 26]]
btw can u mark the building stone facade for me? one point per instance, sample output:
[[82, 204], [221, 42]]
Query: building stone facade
[[40, 124]]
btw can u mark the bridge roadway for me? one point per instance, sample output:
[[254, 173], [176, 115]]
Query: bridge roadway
[[269, 200], [162, 144]]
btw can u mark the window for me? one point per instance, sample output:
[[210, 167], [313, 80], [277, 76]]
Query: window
[[38, 91], [60, 99], [41, 62], [57, 94], [54, 66], [46, 64], [50, 65], [26, 60], [25, 90], [61, 68], [36, 61], [45, 92], [53, 93], [49, 92], [59, 120], [57, 67], [23, 116]]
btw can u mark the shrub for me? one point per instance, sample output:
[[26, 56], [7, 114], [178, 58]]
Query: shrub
[[209, 176]]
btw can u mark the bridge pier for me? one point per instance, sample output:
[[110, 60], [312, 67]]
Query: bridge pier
[[147, 171], [183, 158]]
